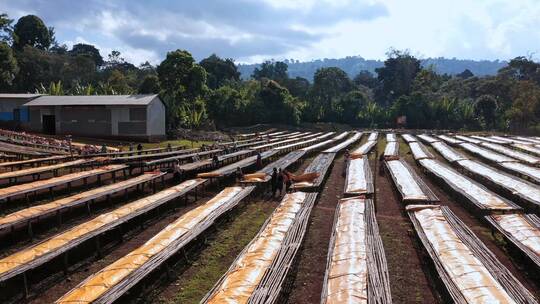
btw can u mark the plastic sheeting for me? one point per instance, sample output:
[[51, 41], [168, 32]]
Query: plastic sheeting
[[365, 148], [528, 148], [33, 212], [489, 139], [513, 184], [52, 182], [348, 270], [521, 230], [409, 138], [391, 149], [79, 232], [36, 170], [405, 181], [97, 284], [447, 152], [487, 154], [390, 137], [531, 172], [450, 139], [512, 153], [373, 136], [428, 138], [419, 151], [344, 144], [471, 277], [248, 270], [326, 142], [358, 177], [529, 139], [468, 139], [482, 196]]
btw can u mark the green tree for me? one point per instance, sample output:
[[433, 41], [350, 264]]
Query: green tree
[[150, 85], [298, 87], [6, 29], [350, 106], [8, 67], [485, 109], [366, 79], [397, 76], [31, 31], [328, 87], [272, 70], [88, 50], [219, 71], [416, 108], [118, 83], [274, 104]]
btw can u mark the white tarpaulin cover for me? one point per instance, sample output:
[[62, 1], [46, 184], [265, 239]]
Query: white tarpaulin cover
[[514, 184], [357, 181], [512, 153], [521, 230], [487, 154], [450, 154], [406, 183], [409, 138], [482, 196], [391, 137], [531, 172], [418, 150], [471, 277], [428, 138]]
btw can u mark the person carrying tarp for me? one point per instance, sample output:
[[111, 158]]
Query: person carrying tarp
[[274, 182]]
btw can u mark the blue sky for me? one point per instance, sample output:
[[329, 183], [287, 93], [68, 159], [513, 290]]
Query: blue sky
[[255, 30]]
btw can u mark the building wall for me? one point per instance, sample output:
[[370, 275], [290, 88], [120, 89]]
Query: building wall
[[8, 105], [156, 118]]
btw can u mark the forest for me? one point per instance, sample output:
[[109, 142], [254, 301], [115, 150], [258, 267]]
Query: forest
[[211, 93]]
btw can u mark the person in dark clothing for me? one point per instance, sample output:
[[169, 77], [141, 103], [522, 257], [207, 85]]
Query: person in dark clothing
[[177, 171], [259, 163], [279, 184], [381, 165], [139, 148], [239, 175], [346, 163], [274, 182], [215, 161]]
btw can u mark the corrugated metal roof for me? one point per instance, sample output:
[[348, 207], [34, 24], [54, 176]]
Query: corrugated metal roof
[[22, 96], [125, 100]]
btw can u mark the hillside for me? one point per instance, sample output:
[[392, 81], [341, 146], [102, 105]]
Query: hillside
[[353, 65]]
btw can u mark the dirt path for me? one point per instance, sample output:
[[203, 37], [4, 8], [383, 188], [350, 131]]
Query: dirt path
[[408, 282], [312, 258]]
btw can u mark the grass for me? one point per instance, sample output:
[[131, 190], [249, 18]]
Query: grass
[[175, 142], [222, 249]]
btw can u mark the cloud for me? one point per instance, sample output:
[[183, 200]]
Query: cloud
[[253, 30], [240, 29]]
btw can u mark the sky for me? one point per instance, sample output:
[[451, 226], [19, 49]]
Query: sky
[[251, 31]]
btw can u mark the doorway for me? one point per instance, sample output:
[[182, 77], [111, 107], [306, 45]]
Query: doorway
[[49, 124]]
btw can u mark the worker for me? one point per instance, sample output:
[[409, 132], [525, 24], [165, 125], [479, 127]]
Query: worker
[[131, 147], [169, 147], [139, 148], [103, 149], [177, 170], [274, 182], [346, 162], [239, 175], [279, 184], [259, 163], [215, 161], [381, 164]]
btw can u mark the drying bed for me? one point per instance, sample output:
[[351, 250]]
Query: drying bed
[[41, 253], [449, 153], [409, 138], [356, 136], [468, 269], [529, 139], [468, 139], [523, 230], [514, 185], [489, 139], [477, 194], [428, 138], [230, 169], [257, 274], [450, 139], [33, 162], [10, 192], [528, 148], [373, 136], [391, 149], [411, 187], [419, 151], [531, 173], [359, 178], [40, 170], [111, 282], [326, 142], [486, 154], [34, 213], [390, 137], [364, 149], [319, 167], [524, 157], [283, 163], [356, 270]]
